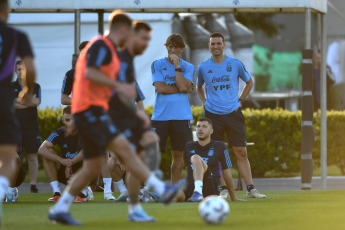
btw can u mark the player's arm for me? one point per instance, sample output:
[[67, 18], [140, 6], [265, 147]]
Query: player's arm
[[141, 105], [199, 88], [65, 99], [163, 88], [230, 184], [46, 150], [183, 82], [78, 157], [246, 89]]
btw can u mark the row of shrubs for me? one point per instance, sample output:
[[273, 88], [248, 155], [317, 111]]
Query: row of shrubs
[[276, 135]]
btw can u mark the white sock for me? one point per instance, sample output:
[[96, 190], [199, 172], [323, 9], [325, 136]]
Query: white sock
[[156, 184], [84, 191], [198, 186], [4, 183], [107, 184], [134, 208], [55, 186], [121, 186], [10, 190], [64, 203]]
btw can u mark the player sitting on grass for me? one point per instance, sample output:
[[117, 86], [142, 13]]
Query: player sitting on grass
[[202, 159], [61, 168]]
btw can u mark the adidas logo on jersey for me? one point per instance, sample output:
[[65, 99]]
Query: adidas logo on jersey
[[193, 151], [164, 69], [210, 71], [65, 146]]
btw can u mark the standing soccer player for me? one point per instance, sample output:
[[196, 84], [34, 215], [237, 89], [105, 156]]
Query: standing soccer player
[[221, 74], [27, 116], [96, 71], [13, 43], [172, 78], [202, 160]]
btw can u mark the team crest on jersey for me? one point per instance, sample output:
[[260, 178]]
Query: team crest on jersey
[[228, 67], [211, 152]]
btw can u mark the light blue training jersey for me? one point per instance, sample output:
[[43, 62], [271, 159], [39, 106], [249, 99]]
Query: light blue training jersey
[[171, 106], [222, 84]]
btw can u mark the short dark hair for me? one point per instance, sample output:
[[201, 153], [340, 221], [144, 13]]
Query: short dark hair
[[141, 25], [3, 5], [66, 110], [19, 62], [176, 40], [216, 35], [118, 19], [207, 120], [82, 45]]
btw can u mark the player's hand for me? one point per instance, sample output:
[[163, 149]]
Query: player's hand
[[238, 199], [143, 116], [68, 172], [25, 97], [67, 162], [175, 60]]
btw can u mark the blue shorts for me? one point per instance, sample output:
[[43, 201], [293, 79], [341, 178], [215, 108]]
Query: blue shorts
[[96, 130], [178, 130], [232, 125]]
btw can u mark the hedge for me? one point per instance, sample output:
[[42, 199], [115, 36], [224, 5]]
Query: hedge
[[276, 135]]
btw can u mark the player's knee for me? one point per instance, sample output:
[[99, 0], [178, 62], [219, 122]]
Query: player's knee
[[241, 153], [195, 159]]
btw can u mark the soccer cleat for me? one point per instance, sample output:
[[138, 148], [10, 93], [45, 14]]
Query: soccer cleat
[[89, 195], [140, 216], [80, 199], [108, 196], [122, 198], [255, 194], [12, 197], [171, 191], [33, 189], [224, 193], [55, 197], [196, 197], [63, 218], [155, 196]]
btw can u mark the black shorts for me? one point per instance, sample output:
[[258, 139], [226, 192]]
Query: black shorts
[[178, 130], [96, 130], [211, 186], [61, 176], [21, 175], [130, 126], [231, 124], [9, 126], [30, 140]]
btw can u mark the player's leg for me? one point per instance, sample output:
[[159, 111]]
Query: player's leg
[[180, 134], [236, 134], [107, 181], [52, 169], [150, 142], [8, 167], [117, 172], [12, 191], [199, 169], [32, 142]]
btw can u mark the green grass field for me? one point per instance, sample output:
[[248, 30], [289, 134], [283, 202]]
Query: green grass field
[[281, 210]]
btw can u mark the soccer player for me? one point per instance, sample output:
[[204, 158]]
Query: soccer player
[[95, 78], [61, 168], [68, 80], [13, 43], [172, 78], [125, 118], [221, 74], [202, 160], [28, 121]]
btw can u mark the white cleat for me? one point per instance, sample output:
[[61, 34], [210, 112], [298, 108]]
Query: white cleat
[[255, 194], [108, 196], [224, 194]]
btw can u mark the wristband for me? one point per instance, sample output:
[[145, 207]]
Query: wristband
[[178, 70]]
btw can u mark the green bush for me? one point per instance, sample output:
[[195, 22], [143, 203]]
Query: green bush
[[276, 135]]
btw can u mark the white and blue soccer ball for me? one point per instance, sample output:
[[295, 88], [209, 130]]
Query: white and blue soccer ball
[[214, 210]]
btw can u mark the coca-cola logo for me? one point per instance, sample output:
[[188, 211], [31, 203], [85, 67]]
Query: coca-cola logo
[[169, 78], [223, 78]]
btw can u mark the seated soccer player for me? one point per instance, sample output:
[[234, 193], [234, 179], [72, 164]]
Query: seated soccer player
[[61, 168], [202, 159]]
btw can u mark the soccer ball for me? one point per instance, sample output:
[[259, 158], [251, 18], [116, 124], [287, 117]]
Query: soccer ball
[[214, 209]]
